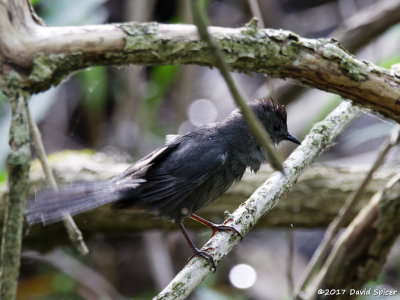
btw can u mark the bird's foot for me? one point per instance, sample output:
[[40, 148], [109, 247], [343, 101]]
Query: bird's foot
[[205, 255], [222, 227], [217, 227]]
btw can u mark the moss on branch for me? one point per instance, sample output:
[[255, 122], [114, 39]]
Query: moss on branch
[[321, 63]]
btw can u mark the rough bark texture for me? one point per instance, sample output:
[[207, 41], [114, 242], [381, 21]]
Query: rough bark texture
[[18, 169], [353, 34], [36, 57]]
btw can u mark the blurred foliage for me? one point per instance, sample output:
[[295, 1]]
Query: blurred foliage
[[3, 175], [209, 290], [4, 106], [210, 294], [161, 79], [329, 107], [95, 83], [63, 284], [35, 2], [3, 98], [50, 285], [71, 12], [388, 62]]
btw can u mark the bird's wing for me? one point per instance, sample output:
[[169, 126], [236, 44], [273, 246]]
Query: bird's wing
[[174, 177], [150, 159]]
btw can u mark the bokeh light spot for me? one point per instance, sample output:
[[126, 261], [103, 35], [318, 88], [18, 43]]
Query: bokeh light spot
[[242, 276], [201, 112]]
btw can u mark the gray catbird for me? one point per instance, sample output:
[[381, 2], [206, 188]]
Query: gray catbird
[[178, 179]]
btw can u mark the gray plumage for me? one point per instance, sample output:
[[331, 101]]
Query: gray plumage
[[176, 180]]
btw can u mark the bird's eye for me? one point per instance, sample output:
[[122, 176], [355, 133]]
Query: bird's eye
[[277, 127]]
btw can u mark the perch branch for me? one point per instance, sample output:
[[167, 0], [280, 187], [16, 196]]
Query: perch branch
[[74, 234], [262, 200]]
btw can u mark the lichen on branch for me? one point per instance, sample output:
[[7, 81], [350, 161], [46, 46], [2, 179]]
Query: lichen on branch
[[47, 55]]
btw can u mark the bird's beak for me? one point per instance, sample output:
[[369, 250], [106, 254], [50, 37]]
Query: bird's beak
[[293, 139]]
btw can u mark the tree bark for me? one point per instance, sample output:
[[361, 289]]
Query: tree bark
[[18, 162], [35, 57]]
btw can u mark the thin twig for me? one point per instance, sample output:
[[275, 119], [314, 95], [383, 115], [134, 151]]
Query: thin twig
[[361, 250], [262, 200], [345, 212], [255, 125], [256, 12], [74, 234], [289, 263]]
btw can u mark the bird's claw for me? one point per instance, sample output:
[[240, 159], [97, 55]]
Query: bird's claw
[[205, 255], [222, 227]]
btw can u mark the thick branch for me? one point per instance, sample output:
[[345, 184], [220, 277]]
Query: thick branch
[[36, 57], [354, 33], [367, 24], [318, 186]]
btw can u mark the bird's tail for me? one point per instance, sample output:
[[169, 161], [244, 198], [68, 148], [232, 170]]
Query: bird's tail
[[48, 207]]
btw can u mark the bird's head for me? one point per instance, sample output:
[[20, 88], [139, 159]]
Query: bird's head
[[273, 116]]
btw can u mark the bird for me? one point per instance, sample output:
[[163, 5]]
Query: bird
[[176, 180]]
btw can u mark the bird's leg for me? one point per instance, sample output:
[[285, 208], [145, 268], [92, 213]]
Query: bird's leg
[[196, 252], [215, 227]]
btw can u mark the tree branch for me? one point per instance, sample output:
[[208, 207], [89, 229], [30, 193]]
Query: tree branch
[[36, 57], [367, 24], [262, 200], [74, 234], [344, 214], [18, 162], [318, 185], [353, 34]]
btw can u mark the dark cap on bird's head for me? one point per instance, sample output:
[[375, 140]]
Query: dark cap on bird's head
[[273, 116]]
